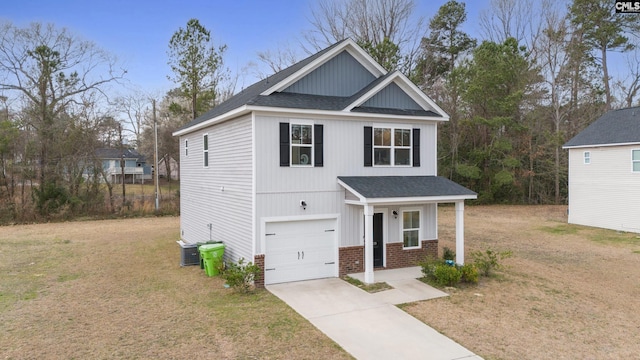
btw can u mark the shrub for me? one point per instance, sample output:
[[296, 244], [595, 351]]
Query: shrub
[[488, 261], [448, 254], [428, 266], [446, 275], [469, 273], [240, 276]]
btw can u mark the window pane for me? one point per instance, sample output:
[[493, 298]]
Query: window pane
[[381, 137], [410, 219], [305, 131], [300, 155], [636, 155], [410, 238], [402, 157], [296, 134], [636, 166], [406, 220], [415, 219], [402, 137], [382, 156], [206, 159], [206, 142]]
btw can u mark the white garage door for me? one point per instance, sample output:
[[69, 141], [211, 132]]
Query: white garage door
[[300, 250]]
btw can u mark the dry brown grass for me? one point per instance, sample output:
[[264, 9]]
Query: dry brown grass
[[114, 290], [569, 292]]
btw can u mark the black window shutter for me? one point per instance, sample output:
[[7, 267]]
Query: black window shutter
[[284, 144], [368, 146], [416, 147], [318, 159]]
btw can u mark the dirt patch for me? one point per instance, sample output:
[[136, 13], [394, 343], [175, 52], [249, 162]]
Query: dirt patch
[[115, 290], [569, 292]]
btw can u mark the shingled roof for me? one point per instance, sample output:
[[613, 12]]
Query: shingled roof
[[376, 187], [262, 94], [615, 127]]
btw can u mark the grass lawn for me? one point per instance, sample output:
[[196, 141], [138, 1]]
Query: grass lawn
[[114, 290]]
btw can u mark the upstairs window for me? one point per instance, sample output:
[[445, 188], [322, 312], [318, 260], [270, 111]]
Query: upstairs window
[[186, 147], [205, 150], [587, 157], [301, 145], [391, 147], [635, 160]]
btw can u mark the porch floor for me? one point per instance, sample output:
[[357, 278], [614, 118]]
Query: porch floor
[[406, 286]]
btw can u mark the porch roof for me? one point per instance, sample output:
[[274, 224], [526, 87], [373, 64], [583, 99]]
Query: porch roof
[[403, 189]]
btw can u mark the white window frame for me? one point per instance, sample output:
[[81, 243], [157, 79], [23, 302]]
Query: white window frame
[[205, 150], [419, 228], [635, 161], [298, 122], [186, 147], [392, 147], [586, 157]]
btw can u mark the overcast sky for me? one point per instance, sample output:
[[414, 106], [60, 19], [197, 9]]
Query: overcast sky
[[138, 31]]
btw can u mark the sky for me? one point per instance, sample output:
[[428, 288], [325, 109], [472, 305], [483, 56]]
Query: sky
[[137, 32]]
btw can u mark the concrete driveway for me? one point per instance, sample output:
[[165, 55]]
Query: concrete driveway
[[369, 326]]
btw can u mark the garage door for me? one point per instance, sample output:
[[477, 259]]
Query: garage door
[[300, 250]]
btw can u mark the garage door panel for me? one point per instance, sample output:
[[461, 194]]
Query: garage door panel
[[300, 250]]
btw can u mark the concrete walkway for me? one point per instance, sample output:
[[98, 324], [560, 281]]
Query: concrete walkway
[[369, 326]]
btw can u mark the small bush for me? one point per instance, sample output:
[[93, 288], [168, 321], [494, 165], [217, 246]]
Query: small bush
[[240, 276], [428, 266], [488, 261], [446, 275], [469, 273], [448, 254]]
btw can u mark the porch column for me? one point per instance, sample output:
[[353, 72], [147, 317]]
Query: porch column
[[460, 232], [368, 244]]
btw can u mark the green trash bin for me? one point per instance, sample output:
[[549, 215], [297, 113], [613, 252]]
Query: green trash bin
[[212, 255], [205, 243]]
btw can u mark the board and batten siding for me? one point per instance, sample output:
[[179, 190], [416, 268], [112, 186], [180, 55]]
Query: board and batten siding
[[216, 201], [392, 97], [280, 189], [606, 192], [343, 75]]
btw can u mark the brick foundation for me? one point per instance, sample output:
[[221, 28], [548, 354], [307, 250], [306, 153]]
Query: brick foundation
[[259, 261], [399, 258], [351, 260]]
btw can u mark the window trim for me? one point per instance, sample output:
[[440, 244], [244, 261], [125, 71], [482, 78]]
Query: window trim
[[301, 122], [205, 150], [392, 147], [419, 228], [633, 162], [586, 157]]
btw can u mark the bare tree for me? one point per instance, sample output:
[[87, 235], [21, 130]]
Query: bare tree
[[369, 22], [52, 69], [629, 87], [281, 58]]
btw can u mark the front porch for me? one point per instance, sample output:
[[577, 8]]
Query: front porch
[[375, 192]]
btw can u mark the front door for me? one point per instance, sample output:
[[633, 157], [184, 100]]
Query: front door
[[378, 245]]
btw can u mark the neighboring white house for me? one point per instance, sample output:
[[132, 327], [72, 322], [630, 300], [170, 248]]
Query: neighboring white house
[[325, 168], [604, 172], [134, 170]]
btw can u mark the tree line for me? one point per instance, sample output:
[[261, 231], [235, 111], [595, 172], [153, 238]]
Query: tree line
[[535, 75]]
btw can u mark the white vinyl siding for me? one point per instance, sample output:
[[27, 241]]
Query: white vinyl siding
[[220, 195], [280, 189], [604, 194]]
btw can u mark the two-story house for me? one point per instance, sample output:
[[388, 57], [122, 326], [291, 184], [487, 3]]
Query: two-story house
[[325, 168], [604, 172]]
